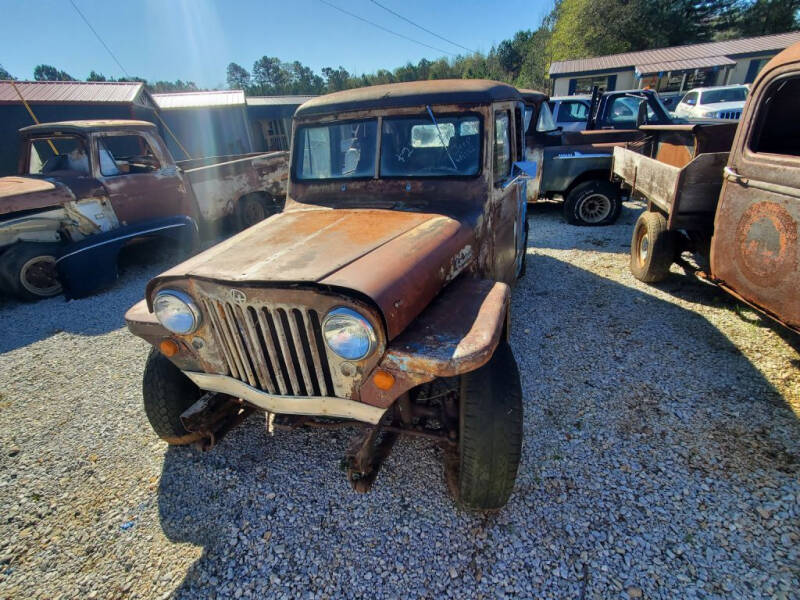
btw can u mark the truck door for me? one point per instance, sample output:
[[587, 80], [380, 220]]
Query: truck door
[[141, 183], [508, 196], [754, 250]]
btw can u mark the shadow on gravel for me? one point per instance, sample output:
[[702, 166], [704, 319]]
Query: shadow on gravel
[[597, 239], [23, 323], [648, 436]]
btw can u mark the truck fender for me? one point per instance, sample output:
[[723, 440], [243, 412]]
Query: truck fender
[[456, 334], [92, 262]]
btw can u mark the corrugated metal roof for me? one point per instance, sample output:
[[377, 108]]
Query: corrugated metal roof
[[684, 65], [277, 100], [765, 43], [70, 92], [200, 99]]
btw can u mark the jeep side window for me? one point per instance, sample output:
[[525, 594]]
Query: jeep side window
[[778, 130], [123, 154], [572, 112], [502, 145]]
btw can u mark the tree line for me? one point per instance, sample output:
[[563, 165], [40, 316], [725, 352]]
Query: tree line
[[572, 29]]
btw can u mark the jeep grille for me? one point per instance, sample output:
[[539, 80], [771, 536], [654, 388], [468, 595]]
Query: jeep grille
[[278, 349]]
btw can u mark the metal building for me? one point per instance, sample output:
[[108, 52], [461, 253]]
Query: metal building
[[271, 119], [207, 123], [65, 101]]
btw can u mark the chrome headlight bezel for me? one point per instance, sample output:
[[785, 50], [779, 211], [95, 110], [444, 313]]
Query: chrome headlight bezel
[[355, 318], [186, 301]]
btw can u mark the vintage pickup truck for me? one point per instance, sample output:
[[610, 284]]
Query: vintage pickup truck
[[576, 165], [380, 295], [85, 188], [729, 194]]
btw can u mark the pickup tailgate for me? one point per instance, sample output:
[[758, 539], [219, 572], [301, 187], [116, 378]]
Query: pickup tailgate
[[687, 195]]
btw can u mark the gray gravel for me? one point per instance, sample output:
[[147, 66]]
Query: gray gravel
[[661, 459]]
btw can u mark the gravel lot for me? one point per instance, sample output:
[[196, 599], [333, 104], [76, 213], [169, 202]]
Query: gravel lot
[[661, 459]]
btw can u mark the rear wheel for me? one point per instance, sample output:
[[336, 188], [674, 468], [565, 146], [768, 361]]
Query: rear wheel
[[167, 393], [28, 270], [594, 202], [652, 248], [481, 475], [255, 208]]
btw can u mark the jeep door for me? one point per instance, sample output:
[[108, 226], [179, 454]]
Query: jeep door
[[142, 184], [754, 250], [508, 194]]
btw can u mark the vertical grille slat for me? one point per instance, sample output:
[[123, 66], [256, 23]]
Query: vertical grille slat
[[300, 350], [233, 327], [222, 338], [274, 347], [266, 334], [315, 358]]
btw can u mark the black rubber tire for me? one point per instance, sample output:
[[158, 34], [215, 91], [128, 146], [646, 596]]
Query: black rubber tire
[[654, 265], [255, 208], [584, 192], [12, 262], [490, 433], [167, 393]]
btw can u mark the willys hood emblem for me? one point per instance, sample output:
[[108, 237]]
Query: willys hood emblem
[[238, 296]]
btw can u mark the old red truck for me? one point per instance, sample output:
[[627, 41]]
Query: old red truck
[[379, 296], [728, 194], [86, 188]]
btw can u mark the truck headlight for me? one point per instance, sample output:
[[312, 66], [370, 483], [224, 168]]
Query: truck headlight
[[176, 311], [348, 334]]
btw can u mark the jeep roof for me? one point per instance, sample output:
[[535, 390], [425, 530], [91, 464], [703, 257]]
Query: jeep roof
[[412, 93], [88, 126]]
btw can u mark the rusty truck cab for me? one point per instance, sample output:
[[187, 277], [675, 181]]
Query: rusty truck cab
[[383, 284]]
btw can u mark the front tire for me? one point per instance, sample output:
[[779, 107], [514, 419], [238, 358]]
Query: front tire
[[28, 270], [490, 434], [652, 248], [594, 202], [167, 393]]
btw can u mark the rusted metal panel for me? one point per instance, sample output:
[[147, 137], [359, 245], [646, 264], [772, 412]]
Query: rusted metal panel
[[656, 181], [439, 345]]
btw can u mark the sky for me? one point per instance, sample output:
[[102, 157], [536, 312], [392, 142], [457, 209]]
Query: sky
[[195, 40]]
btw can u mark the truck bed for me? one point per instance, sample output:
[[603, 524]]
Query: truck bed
[[219, 182], [687, 195]]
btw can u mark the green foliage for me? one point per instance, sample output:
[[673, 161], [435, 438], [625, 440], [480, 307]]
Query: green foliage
[[95, 76], [5, 74], [50, 73]]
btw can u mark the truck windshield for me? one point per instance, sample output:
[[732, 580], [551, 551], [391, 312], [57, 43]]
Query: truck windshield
[[336, 151], [61, 153], [413, 147]]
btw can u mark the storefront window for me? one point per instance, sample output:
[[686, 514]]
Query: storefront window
[[584, 85]]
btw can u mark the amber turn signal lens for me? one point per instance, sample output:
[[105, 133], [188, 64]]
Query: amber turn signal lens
[[383, 380], [168, 348]]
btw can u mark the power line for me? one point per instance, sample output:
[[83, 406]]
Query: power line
[[97, 35], [399, 16], [381, 27]]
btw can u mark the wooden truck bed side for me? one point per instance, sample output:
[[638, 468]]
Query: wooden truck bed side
[[686, 195]]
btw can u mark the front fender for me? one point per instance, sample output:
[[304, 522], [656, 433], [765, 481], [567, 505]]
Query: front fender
[[92, 262], [456, 334]]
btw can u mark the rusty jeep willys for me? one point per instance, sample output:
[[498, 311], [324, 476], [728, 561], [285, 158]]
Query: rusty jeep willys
[[380, 295]]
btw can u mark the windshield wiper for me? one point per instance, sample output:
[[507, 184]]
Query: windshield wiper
[[441, 137]]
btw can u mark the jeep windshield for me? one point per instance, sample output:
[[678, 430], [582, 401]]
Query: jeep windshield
[[411, 146]]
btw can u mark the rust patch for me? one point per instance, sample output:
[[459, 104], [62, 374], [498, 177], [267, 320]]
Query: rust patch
[[766, 244]]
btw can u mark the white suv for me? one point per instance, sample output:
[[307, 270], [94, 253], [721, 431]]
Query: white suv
[[724, 102]]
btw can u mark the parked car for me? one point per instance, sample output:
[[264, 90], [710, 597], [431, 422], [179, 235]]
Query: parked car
[[380, 295], [724, 102], [570, 112], [86, 188], [730, 195], [576, 165]]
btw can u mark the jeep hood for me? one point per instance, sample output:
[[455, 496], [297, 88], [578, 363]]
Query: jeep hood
[[401, 260]]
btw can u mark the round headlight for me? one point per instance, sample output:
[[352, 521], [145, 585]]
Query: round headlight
[[176, 311], [348, 334]]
